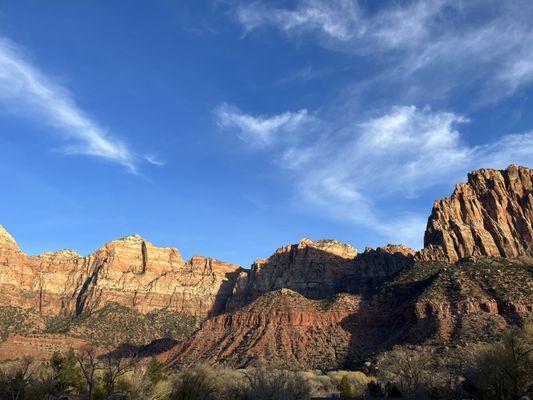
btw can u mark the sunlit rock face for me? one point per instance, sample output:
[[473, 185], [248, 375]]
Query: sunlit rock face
[[130, 271], [281, 328], [490, 215]]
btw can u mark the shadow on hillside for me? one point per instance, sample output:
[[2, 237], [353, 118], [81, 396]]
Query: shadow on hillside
[[224, 293], [318, 274], [386, 318], [151, 349]]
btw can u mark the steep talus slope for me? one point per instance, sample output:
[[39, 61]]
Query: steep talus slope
[[491, 215], [129, 271]]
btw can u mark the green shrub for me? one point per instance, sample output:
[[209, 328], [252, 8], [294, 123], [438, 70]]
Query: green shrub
[[346, 388], [195, 384], [66, 374]]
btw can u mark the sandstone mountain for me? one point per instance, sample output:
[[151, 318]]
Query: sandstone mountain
[[391, 295], [429, 303], [490, 215], [280, 327], [314, 304], [129, 271], [320, 269]]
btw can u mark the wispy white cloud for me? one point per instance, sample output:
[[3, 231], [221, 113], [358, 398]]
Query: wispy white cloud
[[394, 156], [338, 19], [399, 155], [154, 160], [346, 22], [28, 91], [488, 43], [421, 52], [518, 71], [260, 131]]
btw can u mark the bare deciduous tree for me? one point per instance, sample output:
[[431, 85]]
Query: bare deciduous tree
[[89, 365], [115, 365], [505, 370]]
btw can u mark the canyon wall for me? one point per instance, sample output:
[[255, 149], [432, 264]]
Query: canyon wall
[[314, 304], [320, 269], [490, 215], [129, 271], [433, 303]]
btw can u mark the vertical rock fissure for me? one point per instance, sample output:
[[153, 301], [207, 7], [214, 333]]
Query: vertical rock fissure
[[144, 252]]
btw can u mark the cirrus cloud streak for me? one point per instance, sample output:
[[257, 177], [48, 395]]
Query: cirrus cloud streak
[[397, 155], [27, 91]]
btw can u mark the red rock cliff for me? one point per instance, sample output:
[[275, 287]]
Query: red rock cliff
[[490, 215], [320, 269], [130, 271]]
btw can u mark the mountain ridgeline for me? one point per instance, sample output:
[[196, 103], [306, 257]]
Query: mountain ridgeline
[[315, 304]]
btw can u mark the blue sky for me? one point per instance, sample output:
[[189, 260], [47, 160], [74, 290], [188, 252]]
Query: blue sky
[[228, 129]]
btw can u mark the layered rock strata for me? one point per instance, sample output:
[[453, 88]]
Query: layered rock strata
[[315, 304], [284, 329], [130, 271], [320, 269], [490, 215], [427, 303]]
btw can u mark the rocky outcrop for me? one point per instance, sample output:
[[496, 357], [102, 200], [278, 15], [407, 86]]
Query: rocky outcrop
[[490, 215], [130, 271], [320, 269], [280, 328], [427, 303], [9, 249]]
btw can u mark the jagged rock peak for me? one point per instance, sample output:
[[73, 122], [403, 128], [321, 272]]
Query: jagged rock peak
[[331, 246], [61, 254], [5, 237], [490, 215], [392, 249]]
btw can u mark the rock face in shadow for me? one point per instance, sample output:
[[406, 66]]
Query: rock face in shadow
[[319, 270], [129, 271], [490, 215]]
